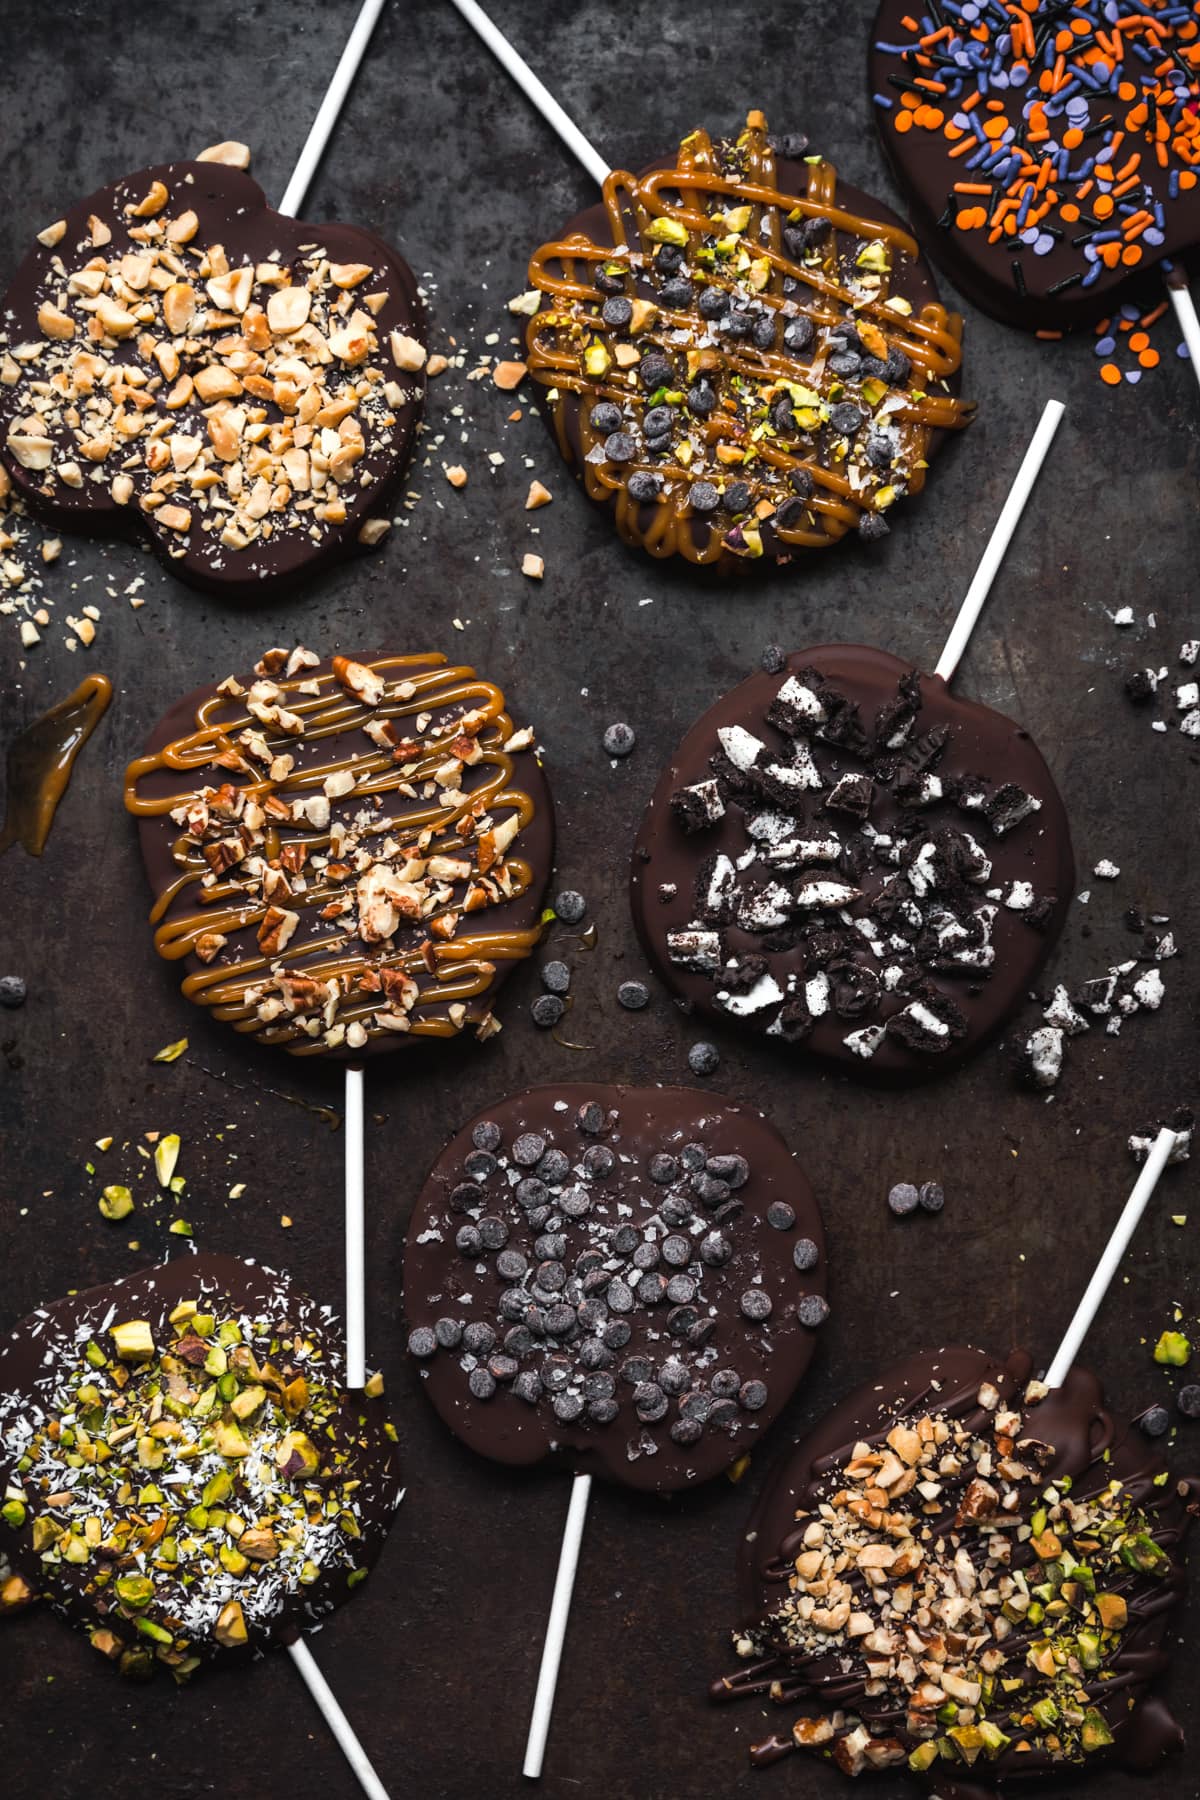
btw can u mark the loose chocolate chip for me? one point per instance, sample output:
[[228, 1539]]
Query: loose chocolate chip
[[422, 1342], [556, 977], [594, 1355], [897, 369], [528, 1386], [479, 1164], [781, 1215], [681, 1321], [798, 334], [701, 400], [845, 418], [551, 1246], [567, 1407], [704, 1059], [478, 1338], [609, 280], [812, 1310], [481, 1384], [619, 447], [654, 371], [845, 362], [1188, 1401], [715, 1250], [677, 1251], [550, 1276], [872, 526], [570, 906], [805, 1254], [692, 1157], [753, 1395], [1155, 1421], [617, 1333], [528, 1149], [668, 258], [651, 1288], [556, 1373], [598, 1161], [772, 661], [501, 1367], [728, 1210], [601, 1386], [561, 1321], [647, 1256], [681, 1289], [662, 1168], [623, 1240], [737, 497], [756, 1305], [487, 1135], [677, 294], [704, 497], [554, 1167], [724, 1412], [674, 1377], [531, 1193], [658, 420], [590, 1118], [576, 1202], [764, 332], [602, 1412], [650, 1403], [933, 1196], [636, 1368], [466, 1195], [606, 418], [714, 303], [617, 311], [731, 1168], [801, 483], [1141, 686], [448, 1333], [518, 1341], [620, 1295], [904, 1198], [511, 1265], [879, 452], [699, 1333], [468, 1240], [513, 1305], [686, 1431], [644, 486], [708, 1190], [633, 995], [619, 740], [676, 1210], [494, 1233], [696, 1405], [725, 1383]]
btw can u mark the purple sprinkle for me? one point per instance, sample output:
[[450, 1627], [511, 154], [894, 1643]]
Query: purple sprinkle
[[1130, 312], [1183, 351], [1044, 244], [1105, 346], [1152, 235], [1133, 376]]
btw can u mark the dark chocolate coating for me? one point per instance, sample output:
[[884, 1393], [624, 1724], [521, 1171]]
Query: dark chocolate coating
[[980, 269], [1089, 1447], [638, 1123], [981, 743], [514, 922], [38, 1351], [704, 537], [232, 211]]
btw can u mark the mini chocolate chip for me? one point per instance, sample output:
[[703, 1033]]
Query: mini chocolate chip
[[714, 303], [13, 991], [662, 1168], [594, 1355], [547, 1010], [422, 1342], [677, 294], [605, 418], [725, 1383], [601, 1386], [801, 483], [620, 1295], [468, 1240], [677, 1251], [528, 1149], [724, 1412], [781, 1215], [676, 1210], [556, 977], [466, 1195], [681, 1321], [681, 1289], [531, 1192], [617, 1332], [518, 1341], [798, 334], [731, 1168], [701, 400], [686, 1431], [487, 1135], [704, 1059], [481, 1384], [448, 1333], [598, 1161], [561, 1321], [753, 1395], [655, 371], [650, 1403], [623, 1240], [657, 420], [528, 1386], [737, 497], [1155, 1421], [651, 1288], [570, 906], [668, 258], [696, 1405], [699, 1333], [617, 311], [494, 1232], [638, 1367], [703, 497], [513, 1305], [511, 1265], [756, 1305], [576, 1202], [805, 1254], [729, 1209], [602, 1412], [715, 1250], [1188, 1401], [593, 1311], [872, 526], [550, 1246], [501, 1367], [619, 447], [845, 418], [812, 1310], [478, 1338], [633, 995], [550, 1276], [904, 1198], [773, 661], [647, 1256], [692, 1157], [844, 362], [590, 1118], [879, 452], [708, 1190], [556, 1373], [479, 1164], [644, 486], [933, 1196], [554, 1166], [619, 740], [764, 332], [674, 1377], [567, 1407]]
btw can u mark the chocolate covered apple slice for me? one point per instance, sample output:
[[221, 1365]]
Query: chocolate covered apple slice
[[179, 361], [740, 355]]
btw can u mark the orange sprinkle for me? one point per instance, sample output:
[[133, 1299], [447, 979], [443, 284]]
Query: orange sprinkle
[[1138, 341], [971, 187], [903, 122], [1070, 212], [1187, 178], [1152, 318], [1103, 206], [1131, 255], [1048, 337], [1072, 139], [1110, 373], [1149, 359]]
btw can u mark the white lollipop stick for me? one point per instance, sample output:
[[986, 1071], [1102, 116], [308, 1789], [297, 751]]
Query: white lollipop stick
[[1185, 313], [1114, 1250], [356, 1305], [330, 107], [1002, 531], [337, 1721], [560, 1606], [535, 90]]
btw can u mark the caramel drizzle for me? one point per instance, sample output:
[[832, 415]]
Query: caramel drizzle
[[932, 340], [40, 761], [463, 967]]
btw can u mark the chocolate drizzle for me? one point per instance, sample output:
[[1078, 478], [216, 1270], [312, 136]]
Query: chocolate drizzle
[[856, 862], [40, 760], [400, 903], [296, 1470], [628, 1282], [1086, 1453], [775, 278]]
